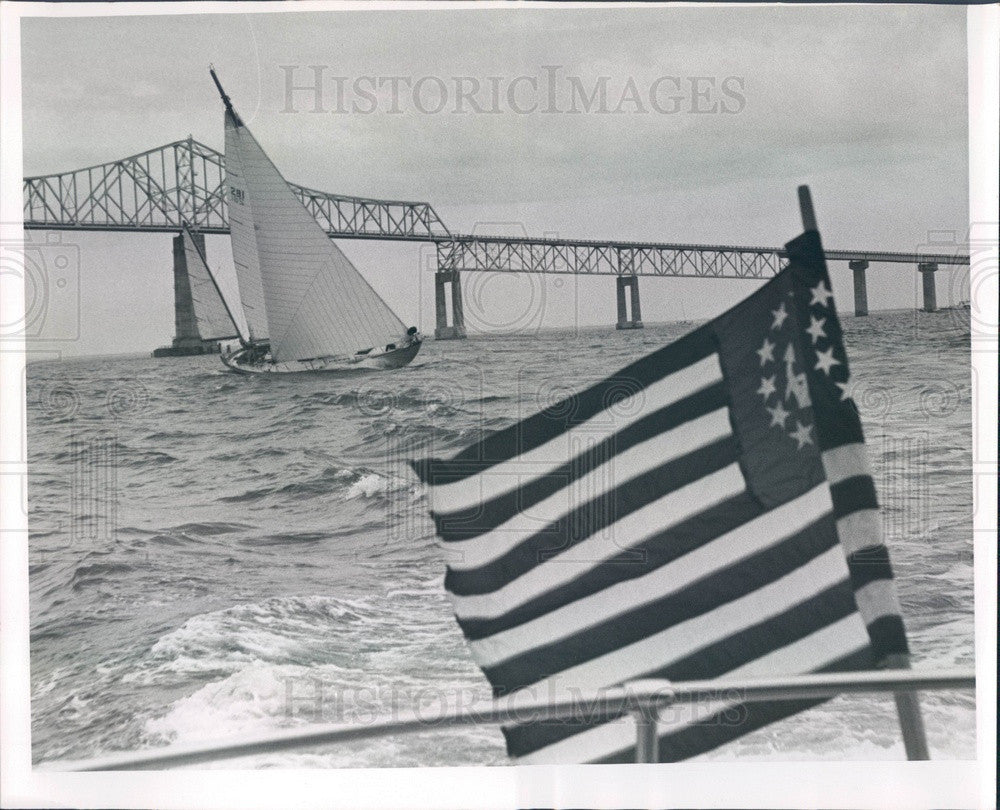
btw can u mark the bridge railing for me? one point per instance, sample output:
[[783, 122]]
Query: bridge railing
[[642, 699]]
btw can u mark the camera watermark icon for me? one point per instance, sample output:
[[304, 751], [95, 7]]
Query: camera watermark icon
[[48, 270], [548, 90], [965, 290], [94, 489], [507, 281], [501, 301], [902, 479]]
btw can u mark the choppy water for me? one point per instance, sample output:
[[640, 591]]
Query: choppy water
[[204, 546]]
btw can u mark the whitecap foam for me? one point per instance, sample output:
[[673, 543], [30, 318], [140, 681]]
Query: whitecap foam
[[367, 486], [251, 701], [291, 630]]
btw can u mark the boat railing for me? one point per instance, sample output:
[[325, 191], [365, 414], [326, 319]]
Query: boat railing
[[643, 699]]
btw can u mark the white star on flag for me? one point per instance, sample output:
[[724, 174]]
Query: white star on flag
[[801, 435], [847, 388], [816, 328], [779, 316], [778, 416], [825, 361], [820, 294], [766, 387], [766, 352]]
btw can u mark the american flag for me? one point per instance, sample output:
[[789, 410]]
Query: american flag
[[707, 512]]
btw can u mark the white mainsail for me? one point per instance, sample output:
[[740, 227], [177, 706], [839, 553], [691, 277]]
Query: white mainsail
[[210, 311], [241, 229], [316, 302]]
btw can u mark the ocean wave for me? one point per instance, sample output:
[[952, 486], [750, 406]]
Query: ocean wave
[[208, 529], [98, 573], [350, 483], [286, 539], [282, 630]]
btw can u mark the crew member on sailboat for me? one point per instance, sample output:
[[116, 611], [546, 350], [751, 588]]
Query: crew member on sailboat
[[303, 305]]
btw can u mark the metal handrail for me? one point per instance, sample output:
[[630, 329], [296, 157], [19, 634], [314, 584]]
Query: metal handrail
[[643, 699]]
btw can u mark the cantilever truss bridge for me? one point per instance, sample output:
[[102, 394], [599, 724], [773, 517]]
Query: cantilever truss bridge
[[184, 181]]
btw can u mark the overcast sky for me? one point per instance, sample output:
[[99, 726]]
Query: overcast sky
[[866, 104]]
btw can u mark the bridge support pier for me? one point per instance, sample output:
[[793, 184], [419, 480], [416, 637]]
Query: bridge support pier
[[859, 266], [187, 339], [442, 330], [632, 282], [927, 270]]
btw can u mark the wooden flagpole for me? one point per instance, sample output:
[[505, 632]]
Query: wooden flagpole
[[911, 721], [806, 207]]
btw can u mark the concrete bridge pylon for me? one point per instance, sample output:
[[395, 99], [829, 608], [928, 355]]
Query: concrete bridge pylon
[[624, 321], [442, 330]]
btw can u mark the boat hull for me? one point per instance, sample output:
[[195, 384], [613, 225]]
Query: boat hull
[[384, 360]]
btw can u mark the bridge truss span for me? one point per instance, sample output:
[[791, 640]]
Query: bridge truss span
[[502, 254], [184, 181]]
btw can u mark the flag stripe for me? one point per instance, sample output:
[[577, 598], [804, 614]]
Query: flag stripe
[[503, 487], [732, 619], [835, 433], [846, 461], [670, 585], [689, 392], [888, 636], [654, 552], [729, 583], [550, 494], [546, 425], [628, 532], [876, 600], [859, 530], [874, 590], [811, 651], [868, 565], [552, 527], [852, 494]]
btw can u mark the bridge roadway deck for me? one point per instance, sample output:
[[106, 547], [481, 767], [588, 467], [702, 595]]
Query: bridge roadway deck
[[476, 240]]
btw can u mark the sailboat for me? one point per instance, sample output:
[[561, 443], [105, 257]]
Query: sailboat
[[303, 305]]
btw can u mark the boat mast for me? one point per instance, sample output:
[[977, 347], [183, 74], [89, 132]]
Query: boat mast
[[243, 341], [238, 122], [225, 98]]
